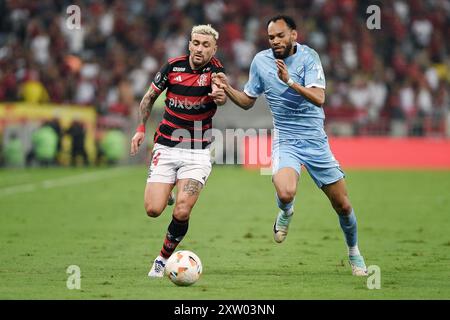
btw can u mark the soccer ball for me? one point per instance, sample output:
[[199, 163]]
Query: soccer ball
[[184, 268]]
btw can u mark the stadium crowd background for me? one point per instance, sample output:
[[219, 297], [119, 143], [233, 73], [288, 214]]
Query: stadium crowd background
[[391, 81]]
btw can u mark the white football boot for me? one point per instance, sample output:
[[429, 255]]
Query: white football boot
[[281, 226], [157, 270], [358, 265]]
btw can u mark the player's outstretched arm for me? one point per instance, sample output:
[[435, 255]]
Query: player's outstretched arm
[[145, 108], [238, 97]]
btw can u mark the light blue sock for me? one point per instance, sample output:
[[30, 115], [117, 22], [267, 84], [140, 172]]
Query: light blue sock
[[286, 207], [349, 227]]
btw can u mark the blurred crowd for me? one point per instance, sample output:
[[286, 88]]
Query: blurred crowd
[[398, 72], [46, 146]]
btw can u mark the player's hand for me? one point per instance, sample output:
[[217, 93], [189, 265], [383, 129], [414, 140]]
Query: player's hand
[[136, 142], [218, 95], [283, 73], [220, 80]]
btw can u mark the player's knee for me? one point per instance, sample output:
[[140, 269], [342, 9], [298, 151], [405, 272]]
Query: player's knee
[[152, 210], [287, 195], [182, 211], [343, 207]]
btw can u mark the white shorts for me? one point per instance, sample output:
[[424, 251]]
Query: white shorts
[[170, 164]]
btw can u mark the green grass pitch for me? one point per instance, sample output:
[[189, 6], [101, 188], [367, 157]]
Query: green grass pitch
[[94, 218]]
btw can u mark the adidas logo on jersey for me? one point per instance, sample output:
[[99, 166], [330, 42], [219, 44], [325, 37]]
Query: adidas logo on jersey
[[178, 79]]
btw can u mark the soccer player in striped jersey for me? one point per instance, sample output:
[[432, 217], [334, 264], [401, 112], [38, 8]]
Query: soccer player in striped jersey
[[291, 77], [180, 155]]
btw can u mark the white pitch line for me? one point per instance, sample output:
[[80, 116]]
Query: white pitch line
[[61, 182]]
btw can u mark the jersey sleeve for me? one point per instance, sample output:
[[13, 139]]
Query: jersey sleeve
[[218, 69], [161, 80], [314, 76], [254, 87]]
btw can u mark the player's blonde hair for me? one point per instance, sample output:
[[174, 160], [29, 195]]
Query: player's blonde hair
[[205, 29]]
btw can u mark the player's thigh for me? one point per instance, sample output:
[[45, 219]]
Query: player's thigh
[[285, 155], [286, 167], [155, 197], [195, 164], [163, 165]]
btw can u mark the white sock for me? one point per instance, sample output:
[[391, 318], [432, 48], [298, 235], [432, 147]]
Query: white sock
[[289, 211], [354, 251]]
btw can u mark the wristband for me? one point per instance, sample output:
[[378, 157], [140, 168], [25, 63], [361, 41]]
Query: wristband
[[140, 128], [290, 82]]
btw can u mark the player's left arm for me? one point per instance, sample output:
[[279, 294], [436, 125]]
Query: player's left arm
[[314, 94]]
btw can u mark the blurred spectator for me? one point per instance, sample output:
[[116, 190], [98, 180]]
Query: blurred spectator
[[113, 146], [86, 87], [39, 46], [13, 151], [378, 94], [8, 84], [422, 29], [54, 124], [176, 44], [359, 96], [32, 90], [125, 99], [424, 101], [44, 146], [78, 135], [214, 10], [407, 100], [442, 100], [244, 52]]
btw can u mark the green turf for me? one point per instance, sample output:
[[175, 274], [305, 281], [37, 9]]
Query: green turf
[[51, 219]]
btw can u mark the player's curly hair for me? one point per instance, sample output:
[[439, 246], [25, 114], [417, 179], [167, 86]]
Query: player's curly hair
[[289, 21], [205, 29]]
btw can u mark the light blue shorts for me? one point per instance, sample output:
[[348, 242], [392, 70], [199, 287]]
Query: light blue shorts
[[314, 154]]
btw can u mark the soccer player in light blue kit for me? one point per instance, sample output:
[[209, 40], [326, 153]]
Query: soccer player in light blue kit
[[292, 79]]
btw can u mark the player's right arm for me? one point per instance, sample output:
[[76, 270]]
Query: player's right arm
[[252, 90], [159, 84], [240, 98], [145, 108]]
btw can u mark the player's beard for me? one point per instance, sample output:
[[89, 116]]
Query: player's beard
[[284, 54], [198, 64]]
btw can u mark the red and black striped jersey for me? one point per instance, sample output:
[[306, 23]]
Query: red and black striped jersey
[[188, 108]]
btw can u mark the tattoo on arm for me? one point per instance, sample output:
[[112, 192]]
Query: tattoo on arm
[[192, 187], [146, 104]]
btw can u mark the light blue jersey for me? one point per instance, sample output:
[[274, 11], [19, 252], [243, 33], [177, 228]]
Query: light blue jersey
[[300, 138], [294, 117]]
